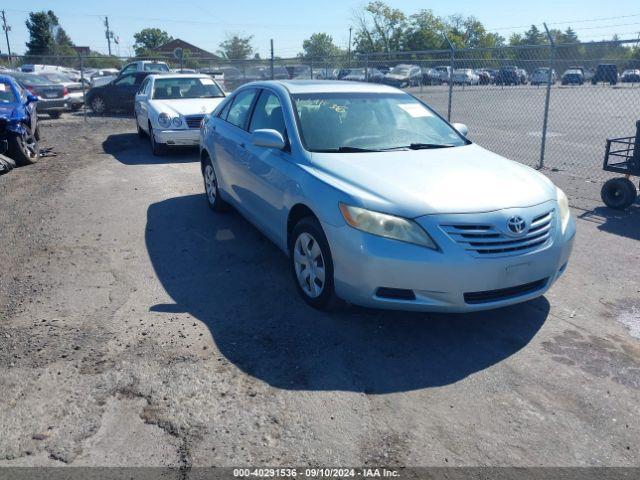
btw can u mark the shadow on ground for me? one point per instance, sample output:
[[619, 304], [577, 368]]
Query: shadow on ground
[[225, 273], [625, 223], [130, 149]]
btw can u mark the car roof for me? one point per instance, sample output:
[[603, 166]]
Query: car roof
[[178, 75], [325, 86]]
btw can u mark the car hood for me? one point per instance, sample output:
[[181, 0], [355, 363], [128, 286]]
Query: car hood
[[467, 179], [187, 106]]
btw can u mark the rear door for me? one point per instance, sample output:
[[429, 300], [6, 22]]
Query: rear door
[[230, 143]]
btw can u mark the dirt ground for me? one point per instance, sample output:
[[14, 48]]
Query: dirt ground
[[137, 327]]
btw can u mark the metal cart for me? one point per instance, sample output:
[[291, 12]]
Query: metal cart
[[622, 156]]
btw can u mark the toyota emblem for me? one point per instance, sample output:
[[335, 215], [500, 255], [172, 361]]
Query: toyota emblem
[[516, 225]]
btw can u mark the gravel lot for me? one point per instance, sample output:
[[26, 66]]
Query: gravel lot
[[139, 328]]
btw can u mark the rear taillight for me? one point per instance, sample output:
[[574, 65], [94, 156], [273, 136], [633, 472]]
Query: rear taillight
[[32, 90], [65, 91]]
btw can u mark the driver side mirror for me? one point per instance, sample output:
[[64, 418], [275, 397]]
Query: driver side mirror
[[461, 128], [268, 138], [31, 98]]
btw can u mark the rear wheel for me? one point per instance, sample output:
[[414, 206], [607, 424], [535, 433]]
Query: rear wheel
[[312, 264], [618, 193], [23, 147], [141, 132], [216, 203], [55, 114]]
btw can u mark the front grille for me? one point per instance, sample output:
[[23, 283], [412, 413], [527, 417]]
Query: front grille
[[487, 240], [193, 121], [504, 293]]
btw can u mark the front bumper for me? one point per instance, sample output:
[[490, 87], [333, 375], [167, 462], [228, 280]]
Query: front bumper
[[439, 280], [183, 137]]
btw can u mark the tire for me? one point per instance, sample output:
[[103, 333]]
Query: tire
[[55, 115], [23, 148], [311, 264], [98, 105], [618, 193], [215, 201], [157, 149], [141, 132], [36, 133]]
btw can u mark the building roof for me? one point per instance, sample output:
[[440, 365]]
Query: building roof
[[194, 51]]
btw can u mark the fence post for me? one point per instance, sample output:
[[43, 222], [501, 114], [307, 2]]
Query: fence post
[[366, 67], [84, 99], [311, 68], [453, 61], [552, 55], [271, 60]]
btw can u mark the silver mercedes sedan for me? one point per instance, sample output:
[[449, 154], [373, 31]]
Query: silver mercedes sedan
[[378, 201]]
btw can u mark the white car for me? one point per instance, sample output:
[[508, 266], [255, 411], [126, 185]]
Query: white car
[[170, 108], [465, 76]]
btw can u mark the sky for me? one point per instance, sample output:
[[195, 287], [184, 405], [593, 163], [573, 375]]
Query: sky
[[206, 23]]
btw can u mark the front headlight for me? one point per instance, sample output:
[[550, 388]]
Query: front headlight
[[164, 120], [387, 226], [563, 209], [176, 122]]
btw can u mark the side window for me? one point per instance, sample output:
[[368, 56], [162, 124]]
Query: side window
[[126, 80], [143, 87], [128, 69], [239, 111], [268, 114], [225, 110]]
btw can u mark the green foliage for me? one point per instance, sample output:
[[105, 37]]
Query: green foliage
[[236, 47], [320, 45], [148, 39]]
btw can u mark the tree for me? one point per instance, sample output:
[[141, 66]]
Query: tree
[[380, 28], [236, 47], [41, 40], [319, 45], [425, 31], [149, 39]]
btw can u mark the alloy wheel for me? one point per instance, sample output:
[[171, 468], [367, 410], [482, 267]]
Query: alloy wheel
[[309, 265], [210, 184], [98, 105]]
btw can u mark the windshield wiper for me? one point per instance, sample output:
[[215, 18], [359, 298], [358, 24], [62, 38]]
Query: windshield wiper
[[347, 150], [425, 146]]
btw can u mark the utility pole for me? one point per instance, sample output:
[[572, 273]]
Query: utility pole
[[349, 48], [108, 33], [6, 29]]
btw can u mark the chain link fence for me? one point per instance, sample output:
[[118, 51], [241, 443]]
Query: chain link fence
[[548, 106]]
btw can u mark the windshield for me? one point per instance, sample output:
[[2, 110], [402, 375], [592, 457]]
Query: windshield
[[30, 79], [185, 87], [333, 122], [56, 77], [542, 70], [6, 93], [155, 67], [573, 72], [400, 71]]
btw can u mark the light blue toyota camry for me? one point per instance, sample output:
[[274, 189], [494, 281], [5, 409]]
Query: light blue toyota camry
[[378, 201]]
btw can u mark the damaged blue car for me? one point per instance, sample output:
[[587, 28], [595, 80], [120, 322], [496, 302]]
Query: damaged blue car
[[18, 124]]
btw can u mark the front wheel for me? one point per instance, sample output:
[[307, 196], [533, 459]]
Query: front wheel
[[98, 105], [156, 148], [23, 147], [312, 264], [618, 193]]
